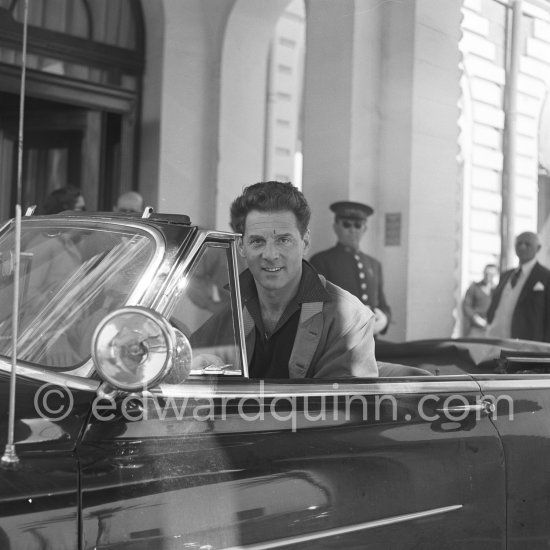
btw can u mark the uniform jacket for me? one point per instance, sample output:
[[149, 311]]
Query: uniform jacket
[[334, 338], [340, 267], [531, 318]]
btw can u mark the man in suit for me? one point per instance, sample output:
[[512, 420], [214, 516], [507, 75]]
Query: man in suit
[[347, 266], [520, 307]]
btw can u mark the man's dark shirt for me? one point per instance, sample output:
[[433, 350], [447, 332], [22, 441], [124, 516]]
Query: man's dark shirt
[[272, 353]]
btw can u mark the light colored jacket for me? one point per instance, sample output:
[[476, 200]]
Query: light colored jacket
[[334, 339]]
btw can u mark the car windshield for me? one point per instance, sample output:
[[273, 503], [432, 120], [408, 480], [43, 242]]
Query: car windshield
[[70, 278]]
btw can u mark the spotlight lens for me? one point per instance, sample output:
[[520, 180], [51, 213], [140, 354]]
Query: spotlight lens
[[134, 348]]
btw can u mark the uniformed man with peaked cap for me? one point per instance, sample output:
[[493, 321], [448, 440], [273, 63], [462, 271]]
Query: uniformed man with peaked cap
[[348, 267]]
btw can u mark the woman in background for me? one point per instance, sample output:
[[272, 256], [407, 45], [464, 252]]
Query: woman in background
[[476, 303]]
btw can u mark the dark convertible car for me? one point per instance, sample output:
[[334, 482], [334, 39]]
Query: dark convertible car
[[129, 434]]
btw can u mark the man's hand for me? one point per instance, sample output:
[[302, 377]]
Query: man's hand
[[206, 361], [380, 320]]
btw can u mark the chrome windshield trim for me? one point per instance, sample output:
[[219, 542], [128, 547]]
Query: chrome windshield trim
[[338, 531], [134, 298], [209, 234], [83, 371], [238, 301], [526, 359], [168, 294], [233, 389], [48, 377]]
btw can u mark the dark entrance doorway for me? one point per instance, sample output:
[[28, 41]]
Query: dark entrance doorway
[[63, 145]]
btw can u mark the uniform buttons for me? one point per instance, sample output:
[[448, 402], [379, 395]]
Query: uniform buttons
[[363, 286], [357, 257], [361, 275], [364, 297], [359, 265]]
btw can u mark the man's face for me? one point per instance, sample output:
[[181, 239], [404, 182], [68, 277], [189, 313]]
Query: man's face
[[527, 246], [350, 231], [274, 248]]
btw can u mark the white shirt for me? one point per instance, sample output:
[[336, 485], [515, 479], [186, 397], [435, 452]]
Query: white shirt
[[526, 269]]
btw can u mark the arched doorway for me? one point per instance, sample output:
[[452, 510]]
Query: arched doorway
[[261, 96], [83, 89]]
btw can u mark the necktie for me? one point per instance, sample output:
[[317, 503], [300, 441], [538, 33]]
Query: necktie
[[515, 277]]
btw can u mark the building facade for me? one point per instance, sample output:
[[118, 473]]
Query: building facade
[[404, 106]]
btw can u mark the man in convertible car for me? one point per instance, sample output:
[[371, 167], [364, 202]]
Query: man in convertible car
[[297, 324]]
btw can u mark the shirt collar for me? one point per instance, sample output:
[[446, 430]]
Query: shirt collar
[[310, 289], [527, 267]]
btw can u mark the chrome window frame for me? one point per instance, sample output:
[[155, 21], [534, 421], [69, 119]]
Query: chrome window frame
[[232, 388], [166, 299]]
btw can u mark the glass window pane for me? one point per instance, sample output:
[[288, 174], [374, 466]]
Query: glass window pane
[[204, 313], [70, 278]]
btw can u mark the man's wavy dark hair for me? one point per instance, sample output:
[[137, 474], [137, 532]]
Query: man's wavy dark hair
[[270, 196]]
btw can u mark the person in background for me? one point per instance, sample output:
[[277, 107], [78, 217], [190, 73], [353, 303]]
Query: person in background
[[520, 307], [63, 199], [130, 201], [347, 266], [476, 303]]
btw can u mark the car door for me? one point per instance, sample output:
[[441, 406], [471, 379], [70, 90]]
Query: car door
[[522, 417], [221, 462]]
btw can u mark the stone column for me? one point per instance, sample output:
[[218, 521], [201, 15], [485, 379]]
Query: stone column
[[181, 106]]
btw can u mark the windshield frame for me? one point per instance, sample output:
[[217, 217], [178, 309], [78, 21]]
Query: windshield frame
[[91, 223]]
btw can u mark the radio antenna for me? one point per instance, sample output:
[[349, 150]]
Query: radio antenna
[[10, 458]]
